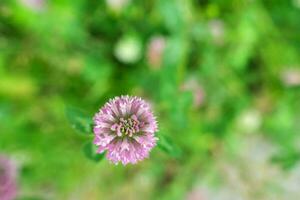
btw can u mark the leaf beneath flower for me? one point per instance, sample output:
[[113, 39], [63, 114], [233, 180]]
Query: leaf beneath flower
[[90, 151], [81, 122], [168, 146]]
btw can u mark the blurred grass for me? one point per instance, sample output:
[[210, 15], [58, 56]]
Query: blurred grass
[[57, 53]]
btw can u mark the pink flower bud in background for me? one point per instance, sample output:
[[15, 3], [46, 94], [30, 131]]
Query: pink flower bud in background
[[193, 86], [8, 183], [35, 5], [291, 77], [155, 51], [125, 127], [216, 28]]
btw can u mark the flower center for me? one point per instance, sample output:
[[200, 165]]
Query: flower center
[[127, 126]]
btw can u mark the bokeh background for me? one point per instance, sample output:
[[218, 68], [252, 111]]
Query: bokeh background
[[223, 78]]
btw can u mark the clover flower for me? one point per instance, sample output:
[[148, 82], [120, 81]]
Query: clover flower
[[125, 127], [8, 185]]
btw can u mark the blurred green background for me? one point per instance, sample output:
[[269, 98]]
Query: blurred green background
[[223, 78]]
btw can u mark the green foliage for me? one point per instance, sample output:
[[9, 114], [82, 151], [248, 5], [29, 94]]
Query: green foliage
[[166, 145], [287, 161], [79, 121], [219, 62], [89, 150]]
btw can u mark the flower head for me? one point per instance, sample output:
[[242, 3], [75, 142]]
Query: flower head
[[8, 186], [125, 128]]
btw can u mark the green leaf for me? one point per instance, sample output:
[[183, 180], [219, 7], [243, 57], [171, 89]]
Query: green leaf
[[90, 151], [81, 122], [287, 161], [168, 146]]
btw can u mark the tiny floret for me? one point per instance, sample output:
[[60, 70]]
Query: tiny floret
[[125, 128]]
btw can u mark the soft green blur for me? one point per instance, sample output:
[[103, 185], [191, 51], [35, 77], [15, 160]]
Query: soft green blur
[[223, 78]]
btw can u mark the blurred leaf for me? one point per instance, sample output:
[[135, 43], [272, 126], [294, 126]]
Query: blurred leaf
[[29, 198], [168, 146], [172, 14], [287, 161], [90, 151], [78, 120], [17, 87]]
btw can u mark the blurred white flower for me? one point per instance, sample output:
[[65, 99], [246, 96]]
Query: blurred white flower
[[250, 121], [117, 5], [291, 77], [128, 49], [35, 5], [155, 51]]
